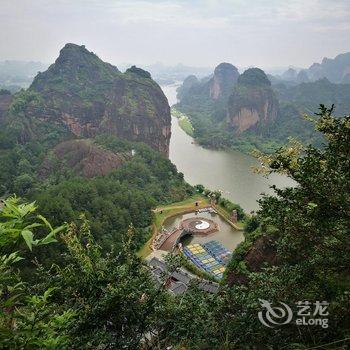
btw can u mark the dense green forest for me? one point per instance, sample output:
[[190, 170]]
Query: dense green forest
[[210, 122], [125, 195], [78, 166], [111, 202], [88, 299]]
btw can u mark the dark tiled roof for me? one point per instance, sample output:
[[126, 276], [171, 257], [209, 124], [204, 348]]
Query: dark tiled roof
[[209, 287], [178, 288], [157, 263], [180, 276], [182, 279]]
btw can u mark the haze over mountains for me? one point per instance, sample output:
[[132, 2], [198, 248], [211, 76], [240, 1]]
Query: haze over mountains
[[336, 70], [17, 74], [252, 103], [254, 110]]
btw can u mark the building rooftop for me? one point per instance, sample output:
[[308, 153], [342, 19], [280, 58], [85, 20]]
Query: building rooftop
[[181, 279]]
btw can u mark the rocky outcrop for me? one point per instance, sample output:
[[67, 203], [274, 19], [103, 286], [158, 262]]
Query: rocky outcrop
[[187, 84], [245, 119], [223, 81], [83, 158], [214, 89], [262, 253], [89, 97], [253, 104]]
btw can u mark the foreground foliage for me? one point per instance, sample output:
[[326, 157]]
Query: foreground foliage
[[87, 301], [90, 299]]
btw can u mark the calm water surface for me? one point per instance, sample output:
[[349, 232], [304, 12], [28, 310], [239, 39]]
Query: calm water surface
[[228, 171]]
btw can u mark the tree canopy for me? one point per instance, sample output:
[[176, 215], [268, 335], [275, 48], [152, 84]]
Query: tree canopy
[[296, 249]]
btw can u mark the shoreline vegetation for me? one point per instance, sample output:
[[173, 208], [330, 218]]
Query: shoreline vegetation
[[250, 146], [183, 121]]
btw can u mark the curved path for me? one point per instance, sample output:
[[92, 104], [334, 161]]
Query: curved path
[[201, 204], [170, 242]]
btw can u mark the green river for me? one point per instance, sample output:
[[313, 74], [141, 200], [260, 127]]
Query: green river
[[227, 171]]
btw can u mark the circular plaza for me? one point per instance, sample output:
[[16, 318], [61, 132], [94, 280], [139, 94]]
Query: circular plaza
[[199, 226]]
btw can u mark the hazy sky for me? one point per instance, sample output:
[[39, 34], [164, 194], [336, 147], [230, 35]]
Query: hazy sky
[[198, 32]]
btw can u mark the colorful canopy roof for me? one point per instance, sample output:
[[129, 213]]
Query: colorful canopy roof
[[211, 257]]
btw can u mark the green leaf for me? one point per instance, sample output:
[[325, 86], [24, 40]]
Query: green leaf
[[48, 293], [35, 224], [47, 224], [50, 238], [59, 229], [28, 237]]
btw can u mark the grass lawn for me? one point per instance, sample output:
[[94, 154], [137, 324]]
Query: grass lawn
[[163, 212], [223, 212], [186, 126], [184, 122]]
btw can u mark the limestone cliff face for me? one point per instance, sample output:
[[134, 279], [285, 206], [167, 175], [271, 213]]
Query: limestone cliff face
[[89, 97], [223, 81], [261, 254], [83, 157], [253, 104], [214, 89]]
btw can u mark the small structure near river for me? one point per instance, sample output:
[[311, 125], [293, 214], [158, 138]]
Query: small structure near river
[[191, 226], [199, 226], [211, 257]]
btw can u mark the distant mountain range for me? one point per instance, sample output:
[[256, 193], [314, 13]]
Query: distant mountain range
[[255, 110], [17, 74], [336, 70], [165, 74]]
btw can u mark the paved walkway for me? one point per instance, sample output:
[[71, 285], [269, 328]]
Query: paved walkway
[[184, 206], [169, 243], [158, 254]]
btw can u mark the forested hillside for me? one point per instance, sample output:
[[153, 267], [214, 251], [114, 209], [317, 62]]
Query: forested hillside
[[258, 115], [64, 143], [89, 300]]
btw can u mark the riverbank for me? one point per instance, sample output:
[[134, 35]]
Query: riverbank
[[239, 225], [216, 134], [230, 172], [183, 121]]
